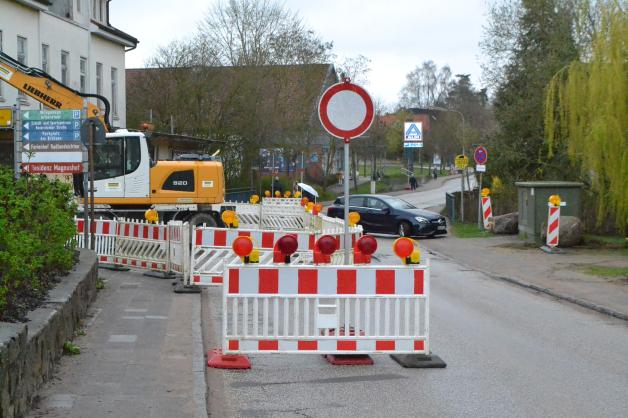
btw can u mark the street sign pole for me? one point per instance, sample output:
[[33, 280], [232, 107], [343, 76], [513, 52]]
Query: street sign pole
[[90, 154], [347, 237], [480, 203], [86, 226], [17, 139], [462, 196]]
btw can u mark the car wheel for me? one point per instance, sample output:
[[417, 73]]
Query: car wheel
[[405, 229]]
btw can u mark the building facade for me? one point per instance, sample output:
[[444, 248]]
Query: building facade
[[73, 41]]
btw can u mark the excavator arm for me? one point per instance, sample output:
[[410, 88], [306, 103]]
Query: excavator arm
[[50, 92]]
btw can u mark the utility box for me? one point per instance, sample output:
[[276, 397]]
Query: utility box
[[533, 197]]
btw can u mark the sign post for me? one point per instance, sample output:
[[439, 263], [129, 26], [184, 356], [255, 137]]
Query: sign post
[[461, 161], [480, 155], [346, 111]]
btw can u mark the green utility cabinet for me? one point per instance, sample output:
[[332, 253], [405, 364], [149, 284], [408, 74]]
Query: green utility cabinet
[[533, 197]]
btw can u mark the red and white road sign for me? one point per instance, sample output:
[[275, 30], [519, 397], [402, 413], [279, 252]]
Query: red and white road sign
[[53, 168], [553, 225], [346, 110]]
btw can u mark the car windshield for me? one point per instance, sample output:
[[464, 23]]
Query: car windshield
[[399, 203]]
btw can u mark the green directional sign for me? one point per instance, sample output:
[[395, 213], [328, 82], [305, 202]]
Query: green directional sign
[[28, 115]]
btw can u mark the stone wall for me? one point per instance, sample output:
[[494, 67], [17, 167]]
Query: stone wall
[[29, 351]]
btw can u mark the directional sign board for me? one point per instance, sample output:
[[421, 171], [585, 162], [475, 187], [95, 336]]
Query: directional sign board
[[480, 155], [413, 135], [51, 141]]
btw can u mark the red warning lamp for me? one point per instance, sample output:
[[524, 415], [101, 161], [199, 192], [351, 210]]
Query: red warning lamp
[[317, 208], [403, 247], [304, 201], [367, 245], [284, 248], [242, 246], [327, 244]]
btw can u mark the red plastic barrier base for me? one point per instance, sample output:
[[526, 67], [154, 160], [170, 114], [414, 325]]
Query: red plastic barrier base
[[217, 360], [349, 359]]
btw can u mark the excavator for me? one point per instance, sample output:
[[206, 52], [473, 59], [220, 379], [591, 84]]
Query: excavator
[[126, 181]]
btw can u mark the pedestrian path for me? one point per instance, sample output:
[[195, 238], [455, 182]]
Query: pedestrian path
[[141, 355]]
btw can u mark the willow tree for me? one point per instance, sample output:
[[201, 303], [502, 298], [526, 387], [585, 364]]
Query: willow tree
[[586, 111]]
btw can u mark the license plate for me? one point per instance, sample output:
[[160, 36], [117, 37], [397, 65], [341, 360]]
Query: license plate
[[442, 227]]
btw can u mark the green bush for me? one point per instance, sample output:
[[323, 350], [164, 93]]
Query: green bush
[[36, 240]]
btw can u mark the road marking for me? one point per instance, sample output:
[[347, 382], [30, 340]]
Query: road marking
[[155, 317], [135, 310], [132, 317]]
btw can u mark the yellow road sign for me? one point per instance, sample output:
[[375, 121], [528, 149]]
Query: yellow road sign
[[6, 117], [461, 161]]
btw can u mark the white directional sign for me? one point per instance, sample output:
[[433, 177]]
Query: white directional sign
[[413, 135], [51, 141]]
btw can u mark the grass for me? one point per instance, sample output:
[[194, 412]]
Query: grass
[[461, 230], [606, 241], [614, 272], [71, 349]]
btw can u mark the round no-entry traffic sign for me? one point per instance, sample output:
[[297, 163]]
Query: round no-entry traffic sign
[[480, 155], [346, 110]]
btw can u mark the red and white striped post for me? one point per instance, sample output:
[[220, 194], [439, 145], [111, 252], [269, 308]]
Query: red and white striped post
[[487, 211], [553, 220]]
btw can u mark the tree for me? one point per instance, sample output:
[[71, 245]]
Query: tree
[[542, 44], [356, 68], [258, 32], [587, 112], [425, 86]]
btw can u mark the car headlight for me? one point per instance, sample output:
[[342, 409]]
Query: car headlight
[[422, 220]]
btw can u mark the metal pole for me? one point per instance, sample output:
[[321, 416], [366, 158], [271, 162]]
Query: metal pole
[[480, 203], [302, 166], [91, 182], [462, 175], [346, 203], [272, 175], [17, 139], [86, 226]]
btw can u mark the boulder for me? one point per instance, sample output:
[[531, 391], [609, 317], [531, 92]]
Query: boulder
[[505, 224], [569, 231]]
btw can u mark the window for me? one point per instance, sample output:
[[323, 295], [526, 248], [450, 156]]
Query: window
[[109, 159], [21, 50], [83, 74], [45, 58], [373, 203], [65, 59], [356, 201], [114, 91], [133, 154], [98, 78]]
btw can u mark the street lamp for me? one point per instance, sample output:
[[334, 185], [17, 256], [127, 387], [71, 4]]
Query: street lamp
[[442, 109]]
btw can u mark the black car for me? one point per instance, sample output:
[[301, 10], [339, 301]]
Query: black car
[[390, 215]]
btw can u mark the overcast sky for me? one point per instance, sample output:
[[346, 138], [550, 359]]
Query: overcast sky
[[397, 35]]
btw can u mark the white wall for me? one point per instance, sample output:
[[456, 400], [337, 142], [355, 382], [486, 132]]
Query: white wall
[[73, 36]]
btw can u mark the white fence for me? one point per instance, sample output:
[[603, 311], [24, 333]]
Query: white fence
[[326, 309]]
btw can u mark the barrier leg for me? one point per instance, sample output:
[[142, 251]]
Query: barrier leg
[[419, 361], [217, 360], [181, 287], [348, 359], [159, 275]]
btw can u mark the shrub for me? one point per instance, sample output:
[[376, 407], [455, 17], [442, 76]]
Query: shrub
[[36, 240]]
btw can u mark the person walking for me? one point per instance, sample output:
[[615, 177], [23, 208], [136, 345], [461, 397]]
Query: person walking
[[435, 173], [413, 183]]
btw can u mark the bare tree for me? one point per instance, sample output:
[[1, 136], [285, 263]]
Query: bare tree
[[356, 68], [426, 86]]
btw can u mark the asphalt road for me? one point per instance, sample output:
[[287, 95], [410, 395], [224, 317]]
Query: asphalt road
[[435, 197], [509, 352]]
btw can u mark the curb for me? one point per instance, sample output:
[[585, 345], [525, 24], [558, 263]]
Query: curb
[[533, 287]]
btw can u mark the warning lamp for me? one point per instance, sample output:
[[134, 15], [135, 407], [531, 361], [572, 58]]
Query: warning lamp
[[254, 256], [304, 201], [288, 193], [284, 248], [151, 216], [367, 245], [254, 199], [415, 257], [309, 206], [243, 246], [354, 218], [297, 195], [266, 193], [277, 193], [327, 244], [486, 191], [554, 200], [403, 248], [228, 217], [317, 208]]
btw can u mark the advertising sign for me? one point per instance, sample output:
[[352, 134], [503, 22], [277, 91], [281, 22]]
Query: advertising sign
[[413, 135]]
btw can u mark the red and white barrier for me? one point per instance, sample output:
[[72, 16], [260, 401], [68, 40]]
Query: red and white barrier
[[105, 231], [326, 309], [142, 245], [487, 211], [553, 225], [179, 247]]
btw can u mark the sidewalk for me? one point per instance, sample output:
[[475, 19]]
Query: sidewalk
[[558, 275], [141, 355]]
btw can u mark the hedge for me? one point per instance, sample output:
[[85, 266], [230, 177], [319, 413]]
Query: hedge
[[36, 240]]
